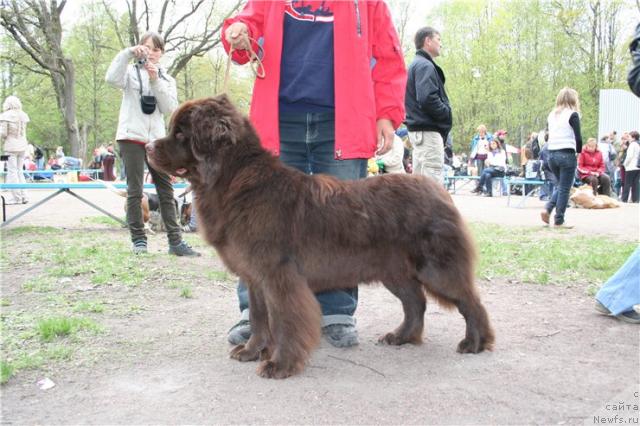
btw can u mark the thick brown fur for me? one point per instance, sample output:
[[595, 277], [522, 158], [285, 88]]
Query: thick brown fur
[[289, 235]]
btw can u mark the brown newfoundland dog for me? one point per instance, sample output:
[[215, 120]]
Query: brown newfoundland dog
[[289, 235]]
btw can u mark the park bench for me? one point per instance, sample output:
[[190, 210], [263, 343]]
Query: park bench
[[66, 188], [450, 182], [48, 174], [523, 182]]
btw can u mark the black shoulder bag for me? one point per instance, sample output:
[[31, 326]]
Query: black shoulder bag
[[147, 103]]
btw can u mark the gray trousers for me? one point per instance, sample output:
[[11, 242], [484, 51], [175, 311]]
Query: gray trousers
[[134, 157], [428, 154]]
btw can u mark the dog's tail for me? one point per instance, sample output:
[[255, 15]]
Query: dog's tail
[[111, 187]]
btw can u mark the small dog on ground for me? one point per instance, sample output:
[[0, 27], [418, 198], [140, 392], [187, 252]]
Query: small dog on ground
[[150, 205], [289, 235], [583, 197]]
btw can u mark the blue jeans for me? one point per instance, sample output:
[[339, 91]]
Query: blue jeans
[[487, 175], [563, 164], [307, 143], [622, 291]]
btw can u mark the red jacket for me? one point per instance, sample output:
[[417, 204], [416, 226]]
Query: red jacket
[[369, 72], [590, 162]]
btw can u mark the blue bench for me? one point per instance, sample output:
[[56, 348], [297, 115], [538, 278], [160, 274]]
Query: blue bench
[[47, 174], [450, 181], [525, 195], [67, 188]]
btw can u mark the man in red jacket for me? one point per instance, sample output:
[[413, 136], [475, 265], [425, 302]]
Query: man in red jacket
[[331, 98]]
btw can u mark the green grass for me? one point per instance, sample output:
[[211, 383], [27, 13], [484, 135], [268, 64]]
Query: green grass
[[29, 231], [101, 220], [532, 255], [6, 371], [89, 306], [186, 292], [219, 276], [50, 328]]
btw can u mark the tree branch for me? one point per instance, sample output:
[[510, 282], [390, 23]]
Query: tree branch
[[113, 19], [25, 66]]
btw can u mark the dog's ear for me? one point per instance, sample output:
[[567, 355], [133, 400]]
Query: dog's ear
[[212, 125]]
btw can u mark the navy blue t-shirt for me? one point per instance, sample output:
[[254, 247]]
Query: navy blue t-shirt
[[306, 71]]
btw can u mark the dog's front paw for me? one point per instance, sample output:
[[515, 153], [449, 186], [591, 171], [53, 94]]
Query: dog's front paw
[[270, 370], [390, 339], [243, 354], [397, 339], [470, 346]]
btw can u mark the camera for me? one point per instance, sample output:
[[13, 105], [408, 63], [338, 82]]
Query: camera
[[141, 61]]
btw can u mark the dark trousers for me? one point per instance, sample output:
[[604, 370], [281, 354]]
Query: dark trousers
[[563, 164], [603, 182], [134, 157], [307, 143], [631, 178]]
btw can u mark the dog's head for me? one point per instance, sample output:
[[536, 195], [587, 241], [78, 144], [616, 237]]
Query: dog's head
[[200, 131]]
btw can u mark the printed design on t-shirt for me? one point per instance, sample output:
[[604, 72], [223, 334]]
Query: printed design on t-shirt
[[304, 11]]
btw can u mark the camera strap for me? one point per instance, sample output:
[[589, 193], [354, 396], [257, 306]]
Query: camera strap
[[139, 78]]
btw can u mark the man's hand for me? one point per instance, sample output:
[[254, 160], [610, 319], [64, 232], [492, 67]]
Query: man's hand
[[385, 136], [237, 36]]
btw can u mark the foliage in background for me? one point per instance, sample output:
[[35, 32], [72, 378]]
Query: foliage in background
[[505, 61]]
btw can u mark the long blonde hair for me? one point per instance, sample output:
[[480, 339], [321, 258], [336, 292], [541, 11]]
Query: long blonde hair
[[567, 99]]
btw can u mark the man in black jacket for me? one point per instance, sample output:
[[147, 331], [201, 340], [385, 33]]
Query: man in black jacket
[[427, 106], [634, 72]]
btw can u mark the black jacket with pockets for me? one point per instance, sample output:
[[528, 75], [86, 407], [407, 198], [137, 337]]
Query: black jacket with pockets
[[426, 100]]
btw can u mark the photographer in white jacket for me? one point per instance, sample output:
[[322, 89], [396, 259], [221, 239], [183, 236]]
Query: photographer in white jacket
[[148, 94]]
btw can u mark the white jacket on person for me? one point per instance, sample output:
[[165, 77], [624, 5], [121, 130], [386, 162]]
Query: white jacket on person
[[631, 159], [497, 158], [133, 124], [13, 130]]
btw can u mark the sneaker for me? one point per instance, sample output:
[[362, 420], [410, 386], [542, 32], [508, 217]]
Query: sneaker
[[477, 190], [188, 228], [601, 308], [632, 317], [341, 335], [183, 249], [545, 216], [239, 334], [139, 247]]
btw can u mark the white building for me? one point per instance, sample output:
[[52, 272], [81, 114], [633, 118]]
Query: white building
[[619, 110]]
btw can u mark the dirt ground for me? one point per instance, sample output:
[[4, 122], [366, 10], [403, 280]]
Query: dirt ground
[[556, 361]]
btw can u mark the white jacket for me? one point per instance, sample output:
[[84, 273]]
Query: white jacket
[[133, 124], [13, 130], [631, 160]]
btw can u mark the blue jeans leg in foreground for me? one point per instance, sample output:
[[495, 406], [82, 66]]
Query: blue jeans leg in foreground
[[563, 164], [622, 291], [307, 143]]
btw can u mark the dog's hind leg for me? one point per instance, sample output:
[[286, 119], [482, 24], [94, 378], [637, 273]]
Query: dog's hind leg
[[294, 321], [452, 285], [258, 343], [414, 304]]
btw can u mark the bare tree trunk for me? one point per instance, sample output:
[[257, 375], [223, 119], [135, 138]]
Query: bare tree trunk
[[43, 43]]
